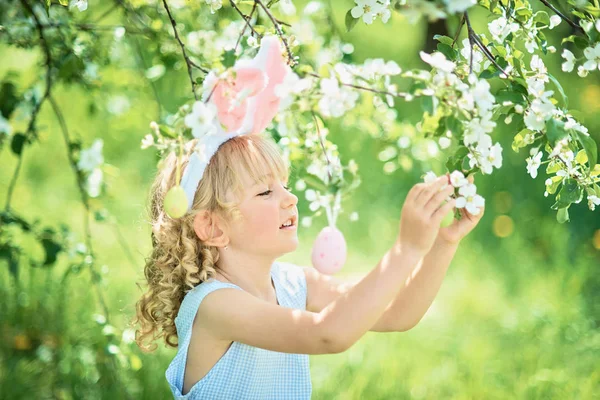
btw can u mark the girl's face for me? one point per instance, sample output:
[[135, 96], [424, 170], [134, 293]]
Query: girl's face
[[264, 208]]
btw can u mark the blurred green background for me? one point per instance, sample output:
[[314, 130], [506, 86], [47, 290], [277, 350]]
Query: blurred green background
[[518, 314]]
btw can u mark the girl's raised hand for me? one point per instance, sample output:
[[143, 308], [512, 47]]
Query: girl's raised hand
[[455, 232], [422, 213]]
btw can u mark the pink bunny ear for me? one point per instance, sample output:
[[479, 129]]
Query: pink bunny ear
[[248, 103], [263, 107], [275, 67], [229, 96]]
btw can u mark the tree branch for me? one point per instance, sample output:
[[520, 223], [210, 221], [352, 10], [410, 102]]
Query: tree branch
[[188, 62], [563, 16], [245, 17], [291, 60], [474, 37]]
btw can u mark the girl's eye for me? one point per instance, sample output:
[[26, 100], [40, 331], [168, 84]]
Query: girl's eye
[[269, 191]]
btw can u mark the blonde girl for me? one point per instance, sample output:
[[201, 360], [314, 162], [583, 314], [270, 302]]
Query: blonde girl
[[244, 324]]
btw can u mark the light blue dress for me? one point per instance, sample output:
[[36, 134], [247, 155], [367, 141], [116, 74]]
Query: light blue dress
[[245, 372]]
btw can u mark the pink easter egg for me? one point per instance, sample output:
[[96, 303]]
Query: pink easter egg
[[329, 251]]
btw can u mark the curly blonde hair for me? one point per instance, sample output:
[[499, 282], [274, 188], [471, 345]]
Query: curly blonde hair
[[179, 260]]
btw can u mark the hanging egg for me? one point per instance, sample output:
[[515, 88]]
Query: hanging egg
[[176, 202], [329, 251]]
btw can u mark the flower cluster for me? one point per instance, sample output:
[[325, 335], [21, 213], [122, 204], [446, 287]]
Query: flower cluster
[[465, 193]]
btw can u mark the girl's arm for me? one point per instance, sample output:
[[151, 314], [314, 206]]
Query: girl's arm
[[234, 315], [411, 303]]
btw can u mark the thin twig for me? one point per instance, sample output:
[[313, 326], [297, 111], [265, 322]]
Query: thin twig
[[245, 17], [185, 56], [323, 146], [460, 25], [563, 16], [38, 105], [474, 37], [244, 29], [291, 60], [368, 89], [84, 200]]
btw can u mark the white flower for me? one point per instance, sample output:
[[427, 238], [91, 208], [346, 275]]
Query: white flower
[[500, 28], [477, 56], [5, 126], [430, 177], [593, 201], [354, 216], [201, 119], [458, 6], [477, 130], [252, 42], [569, 63], [306, 222], [593, 56], [336, 101], [457, 179], [81, 5], [538, 66], [291, 85], [494, 156], [534, 163], [469, 199], [384, 12], [367, 9], [538, 113], [214, 5], [91, 158], [444, 142], [438, 60], [147, 141], [482, 96], [531, 45], [94, 183], [582, 72], [555, 20]]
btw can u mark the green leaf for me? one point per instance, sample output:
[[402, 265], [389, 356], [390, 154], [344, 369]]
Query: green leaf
[[571, 192], [553, 167], [556, 181], [443, 39], [542, 18], [427, 104], [581, 157], [555, 130], [167, 131], [449, 52], [560, 89], [589, 145], [519, 140], [509, 95], [228, 58], [562, 215], [350, 21], [454, 125], [17, 143]]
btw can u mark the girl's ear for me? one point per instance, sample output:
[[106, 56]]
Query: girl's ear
[[208, 228]]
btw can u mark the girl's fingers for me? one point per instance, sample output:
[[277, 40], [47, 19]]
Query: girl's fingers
[[431, 189], [437, 200], [439, 214]]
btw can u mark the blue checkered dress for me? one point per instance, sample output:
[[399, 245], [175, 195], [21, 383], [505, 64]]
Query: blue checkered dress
[[245, 372]]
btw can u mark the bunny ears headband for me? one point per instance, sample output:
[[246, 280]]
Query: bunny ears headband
[[245, 105]]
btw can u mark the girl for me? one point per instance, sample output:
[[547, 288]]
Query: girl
[[243, 322]]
